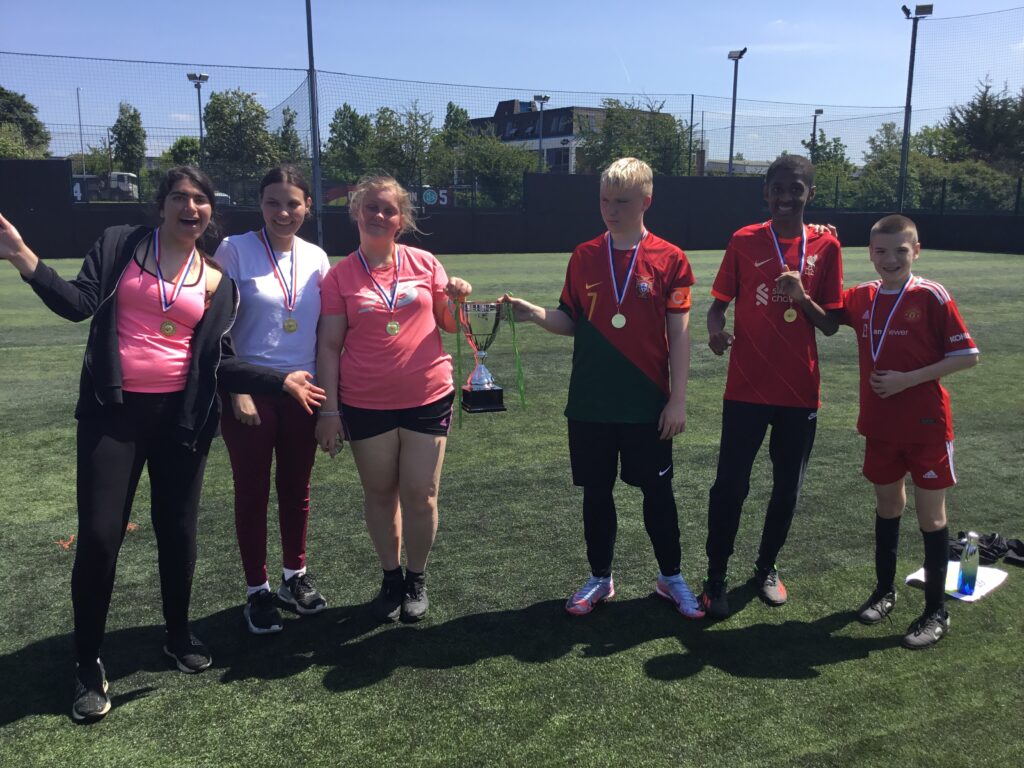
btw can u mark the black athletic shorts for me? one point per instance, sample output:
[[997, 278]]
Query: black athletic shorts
[[431, 419], [596, 447]]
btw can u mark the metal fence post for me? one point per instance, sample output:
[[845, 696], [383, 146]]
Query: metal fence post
[[314, 133]]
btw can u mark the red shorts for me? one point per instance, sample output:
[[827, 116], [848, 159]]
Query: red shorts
[[930, 464]]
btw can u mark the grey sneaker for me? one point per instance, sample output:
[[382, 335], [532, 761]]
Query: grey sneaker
[[713, 599], [91, 700], [877, 607], [300, 593], [927, 630], [415, 602], [261, 615], [770, 587], [188, 651], [387, 605]]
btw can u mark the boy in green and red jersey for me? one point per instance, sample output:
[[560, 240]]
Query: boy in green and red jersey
[[773, 377], [909, 334], [626, 302]]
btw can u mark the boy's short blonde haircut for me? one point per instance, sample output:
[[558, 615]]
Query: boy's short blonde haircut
[[629, 173], [894, 225]]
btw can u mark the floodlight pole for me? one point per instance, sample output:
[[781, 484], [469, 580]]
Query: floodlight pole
[[814, 135], [735, 57], [197, 79], [920, 12], [81, 138], [541, 99], [314, 132]]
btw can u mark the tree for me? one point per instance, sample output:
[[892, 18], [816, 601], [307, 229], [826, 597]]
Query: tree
[[128, 138], [13, 146], [184, 151], [16, 110], [456, 128], [936, 141], [832, 170], [876, 188], [496, 169], [633, 129], [290, 148], [346, 155], [97, 161], [238, 144]]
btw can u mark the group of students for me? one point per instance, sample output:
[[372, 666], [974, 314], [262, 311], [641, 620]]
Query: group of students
[[357, 348]]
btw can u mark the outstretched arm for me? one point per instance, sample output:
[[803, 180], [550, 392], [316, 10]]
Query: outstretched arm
[[14, 250], [551, 320]]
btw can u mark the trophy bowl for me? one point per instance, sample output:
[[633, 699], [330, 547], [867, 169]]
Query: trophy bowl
[[478, 322]]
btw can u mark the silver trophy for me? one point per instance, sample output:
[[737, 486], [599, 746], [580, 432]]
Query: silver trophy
[[479, 323]]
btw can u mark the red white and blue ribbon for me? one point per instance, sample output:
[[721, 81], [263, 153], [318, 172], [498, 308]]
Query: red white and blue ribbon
[[876, 349], [778, 248], [389, 301], [179, 282], [620, 293], [290, 291]]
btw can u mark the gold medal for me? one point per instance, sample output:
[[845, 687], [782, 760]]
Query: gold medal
[[789, 315], [618, 320], [392, 328], [167, 328], [290, 325]]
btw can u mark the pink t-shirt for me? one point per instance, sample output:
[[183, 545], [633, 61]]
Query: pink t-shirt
[[152, 360], [379, 370]]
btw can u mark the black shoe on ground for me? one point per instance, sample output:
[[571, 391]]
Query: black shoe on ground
[[927, 630], [300, 593], [770, 587], [713, 599], [415, 602], [188, 651], [91, 700], [877, 607], [387, 605], [261, 614]]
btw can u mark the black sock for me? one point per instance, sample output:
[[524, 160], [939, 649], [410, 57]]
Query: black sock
[[936, 559], [394, 573], [411, 575], [887, 539]]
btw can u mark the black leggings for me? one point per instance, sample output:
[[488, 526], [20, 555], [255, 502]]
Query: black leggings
[[112, 449]]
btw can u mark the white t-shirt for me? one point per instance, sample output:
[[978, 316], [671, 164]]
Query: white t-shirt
[[259, 332]]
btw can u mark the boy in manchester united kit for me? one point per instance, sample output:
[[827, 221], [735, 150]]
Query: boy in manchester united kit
[[773, 376], [626, 302], [909, 334]]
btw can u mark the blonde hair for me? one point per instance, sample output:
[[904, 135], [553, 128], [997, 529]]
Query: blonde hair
[[894, 225], [629, 172], [376, 183]]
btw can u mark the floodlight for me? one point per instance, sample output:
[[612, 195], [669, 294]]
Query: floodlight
[[923, 10], [193, 77], [737, 55]]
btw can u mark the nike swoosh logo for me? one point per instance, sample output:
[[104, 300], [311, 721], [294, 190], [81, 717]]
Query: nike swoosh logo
[[664, 472], [762, 263], [592, 285]]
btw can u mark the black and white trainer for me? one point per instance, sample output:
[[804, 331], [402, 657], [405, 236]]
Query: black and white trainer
[[261, 614], [927, 630], [91, 699], [877, 607], [301, 594], [188, 651]]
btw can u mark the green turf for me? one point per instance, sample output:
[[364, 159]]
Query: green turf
[[499, 674]]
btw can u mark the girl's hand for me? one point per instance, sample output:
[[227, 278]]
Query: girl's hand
[[328, 434], [299, 384], [458, 289], [245, 409]]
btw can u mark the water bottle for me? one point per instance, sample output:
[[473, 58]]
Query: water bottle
[[968, 566]]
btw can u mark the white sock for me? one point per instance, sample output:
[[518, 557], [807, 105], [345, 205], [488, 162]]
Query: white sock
[[288, 572], [250, 591]]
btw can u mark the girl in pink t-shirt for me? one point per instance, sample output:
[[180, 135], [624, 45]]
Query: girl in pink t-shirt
[[389, 384]]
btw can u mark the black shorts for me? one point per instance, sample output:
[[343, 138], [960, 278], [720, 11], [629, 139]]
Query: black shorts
[[595, 449], [431, 419]]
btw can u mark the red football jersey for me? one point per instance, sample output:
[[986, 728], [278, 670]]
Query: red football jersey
[[602, 389], [925, 328], [774, 361]]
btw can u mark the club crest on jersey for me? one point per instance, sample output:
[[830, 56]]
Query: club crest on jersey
[[912, 315], [644, 287], [811, 265]]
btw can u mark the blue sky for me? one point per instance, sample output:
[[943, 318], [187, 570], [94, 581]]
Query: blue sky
[[830, 53]]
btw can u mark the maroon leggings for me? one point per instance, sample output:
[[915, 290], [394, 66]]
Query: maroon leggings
[[285, 430]]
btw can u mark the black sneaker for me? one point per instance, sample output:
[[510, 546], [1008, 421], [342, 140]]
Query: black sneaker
[[415, 602], [387, 605], [770, 587], [300, 593], [261, 615], [713, 599], [188, 651], [927, 630], [877, 607], [91, 700]]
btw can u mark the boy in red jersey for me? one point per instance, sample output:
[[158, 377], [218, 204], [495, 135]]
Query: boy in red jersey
[[626, 302], [773, 375], [910, 334]]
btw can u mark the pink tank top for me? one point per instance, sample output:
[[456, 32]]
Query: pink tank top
[[156, 346]]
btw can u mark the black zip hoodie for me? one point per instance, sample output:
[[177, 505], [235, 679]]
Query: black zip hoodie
[[93, 293]]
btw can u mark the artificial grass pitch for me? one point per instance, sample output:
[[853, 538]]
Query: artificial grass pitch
[[499, 674]]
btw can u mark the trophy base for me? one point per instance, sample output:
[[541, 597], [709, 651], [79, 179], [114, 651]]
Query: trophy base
[[482, 400]]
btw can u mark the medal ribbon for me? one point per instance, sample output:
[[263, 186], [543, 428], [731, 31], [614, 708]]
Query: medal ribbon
[[179, 281], [290, 291], [389, 301], [620, 293], [778, 248], [876, 349]]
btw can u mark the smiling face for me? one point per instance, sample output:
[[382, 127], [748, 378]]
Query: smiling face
[[893, 255], [379, 217], [787, 194], [186, 211], [284, 208]]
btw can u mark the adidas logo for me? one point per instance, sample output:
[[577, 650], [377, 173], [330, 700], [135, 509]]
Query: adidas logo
[[866, 315], [930, 475]]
